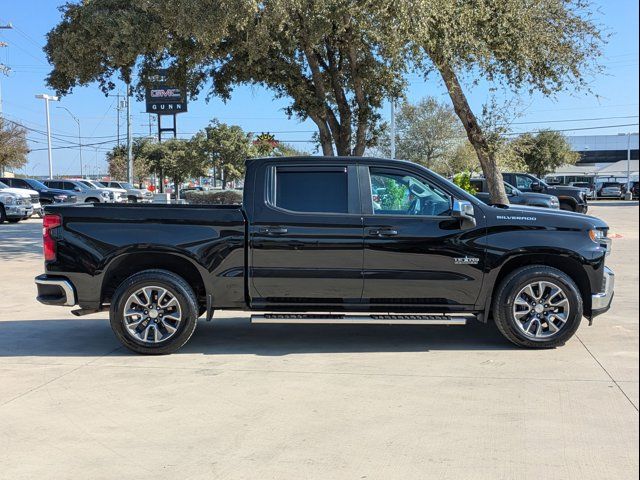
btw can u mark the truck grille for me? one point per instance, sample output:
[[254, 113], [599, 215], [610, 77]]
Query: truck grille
[[24, 201], [35, 198]]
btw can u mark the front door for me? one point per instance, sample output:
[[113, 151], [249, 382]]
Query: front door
[[416, 255], [306, 238]]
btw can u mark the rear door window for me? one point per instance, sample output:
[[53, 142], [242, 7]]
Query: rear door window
[[324, 190]]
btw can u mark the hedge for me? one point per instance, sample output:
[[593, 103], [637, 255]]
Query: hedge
[[214, 197]]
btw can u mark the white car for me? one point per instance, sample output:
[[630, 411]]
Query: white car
[[119, 194], [32, 195], [133, 194], [13, 206]]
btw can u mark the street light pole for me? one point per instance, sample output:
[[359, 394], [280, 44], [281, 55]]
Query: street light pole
[[129, 140], [79, 137], [393, 128], [47, 99]]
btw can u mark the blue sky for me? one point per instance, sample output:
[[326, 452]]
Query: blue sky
[[614, 101]]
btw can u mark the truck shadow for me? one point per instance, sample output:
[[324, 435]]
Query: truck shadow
[[236, 336]]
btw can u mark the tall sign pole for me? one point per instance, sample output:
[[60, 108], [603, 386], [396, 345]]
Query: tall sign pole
[[393, 128]]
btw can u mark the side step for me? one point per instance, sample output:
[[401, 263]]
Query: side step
[[383, 319]]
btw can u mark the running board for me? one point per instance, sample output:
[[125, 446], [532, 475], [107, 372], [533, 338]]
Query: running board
[[385, 319]]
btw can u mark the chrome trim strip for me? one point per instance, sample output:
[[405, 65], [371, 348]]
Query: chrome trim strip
[[66, 287], [358, 319], [602, 299]]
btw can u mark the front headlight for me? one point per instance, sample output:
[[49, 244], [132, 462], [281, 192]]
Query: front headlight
[[599, 236], [9, 200], [105, 194]]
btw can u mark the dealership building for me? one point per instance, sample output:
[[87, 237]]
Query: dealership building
[[602, 156]]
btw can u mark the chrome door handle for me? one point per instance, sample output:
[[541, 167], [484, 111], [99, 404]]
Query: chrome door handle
[[383, 232], [273, 230]]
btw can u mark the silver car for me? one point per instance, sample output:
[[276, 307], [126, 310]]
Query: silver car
[[133, 194], [84, 193], [119, 194]]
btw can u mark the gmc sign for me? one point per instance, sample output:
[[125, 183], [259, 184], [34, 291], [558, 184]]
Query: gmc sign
[[165, 100]]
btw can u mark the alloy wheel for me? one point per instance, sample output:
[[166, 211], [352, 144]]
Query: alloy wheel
[[152, 314], [541, 310]]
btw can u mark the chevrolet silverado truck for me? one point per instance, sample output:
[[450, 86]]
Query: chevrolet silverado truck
[[329, 240]]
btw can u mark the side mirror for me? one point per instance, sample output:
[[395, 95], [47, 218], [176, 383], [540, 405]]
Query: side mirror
[[536, 186], [464, 211]]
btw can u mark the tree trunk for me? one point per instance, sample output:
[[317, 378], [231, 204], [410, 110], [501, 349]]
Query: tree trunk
[[495, 183], [176, 185]]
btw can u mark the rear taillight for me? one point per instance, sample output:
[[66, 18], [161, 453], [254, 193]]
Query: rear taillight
[[49, 222]]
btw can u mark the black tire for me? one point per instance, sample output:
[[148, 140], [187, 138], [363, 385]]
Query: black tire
[[14, 220], [3, 214], [92, 200], [505, 296], [178, 287]]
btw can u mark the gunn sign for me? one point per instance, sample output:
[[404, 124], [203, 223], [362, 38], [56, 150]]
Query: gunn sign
[[165, 100]]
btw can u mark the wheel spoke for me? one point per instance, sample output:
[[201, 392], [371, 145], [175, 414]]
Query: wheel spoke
[[541, 309], [145, 304]]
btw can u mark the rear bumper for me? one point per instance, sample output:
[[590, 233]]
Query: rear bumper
[[55, 291], [601, 301]]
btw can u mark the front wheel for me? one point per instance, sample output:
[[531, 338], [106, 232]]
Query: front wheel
[[537, 307], [154, 312]]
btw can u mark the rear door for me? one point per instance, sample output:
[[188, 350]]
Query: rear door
[[306, 236], [416, 256]]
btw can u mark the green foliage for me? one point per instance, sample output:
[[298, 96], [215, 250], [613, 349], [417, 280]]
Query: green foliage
[[13, 145], [211, 197], [545, 152], [177, 159], [463, 180], [118, 160], [394, 195], [427, 133]]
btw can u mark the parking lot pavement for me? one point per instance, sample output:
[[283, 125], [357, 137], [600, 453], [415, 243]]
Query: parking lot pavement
[[315, 402]]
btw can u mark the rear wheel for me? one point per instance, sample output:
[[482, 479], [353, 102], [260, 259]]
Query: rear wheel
[[569, 207], [154, 312], [92, 200], [538, 307], [3, 214]]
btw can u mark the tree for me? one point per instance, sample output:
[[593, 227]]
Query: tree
[[118, 160], [428, 133], [335, 60], [177, 159], [545, 46], [544, 152], [13, 145], [225, 148], [325, 56]]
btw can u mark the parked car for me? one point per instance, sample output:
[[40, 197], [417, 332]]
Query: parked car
[[634, 187], [34, 198], [133, 194], [308, 238], [47, 195], [570, 198], [14, 206], [84, 193], [119, 194], [515, 196], [588, 188], [609, 190]]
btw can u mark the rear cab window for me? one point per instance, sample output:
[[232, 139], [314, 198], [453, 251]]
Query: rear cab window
[[311, 190]]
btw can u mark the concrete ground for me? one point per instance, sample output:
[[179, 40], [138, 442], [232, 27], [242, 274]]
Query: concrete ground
[[314, 402]]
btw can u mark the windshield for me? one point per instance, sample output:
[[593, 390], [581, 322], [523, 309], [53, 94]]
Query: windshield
[[91, 184], [37, 185], [127, 186]]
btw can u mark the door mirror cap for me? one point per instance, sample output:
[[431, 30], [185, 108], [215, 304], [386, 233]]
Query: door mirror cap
[[464, 211], [536, 186]]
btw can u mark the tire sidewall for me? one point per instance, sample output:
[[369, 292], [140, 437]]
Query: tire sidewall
[[182, 293], [519, 281]]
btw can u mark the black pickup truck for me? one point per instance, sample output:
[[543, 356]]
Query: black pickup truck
[[572, 199], [353, 240]]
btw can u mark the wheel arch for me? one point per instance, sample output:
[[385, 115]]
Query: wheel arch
[[567, 265], [122, 267]]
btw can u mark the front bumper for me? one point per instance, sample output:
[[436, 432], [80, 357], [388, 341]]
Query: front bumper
[[18, 211], [55, 291], [601, 301]]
